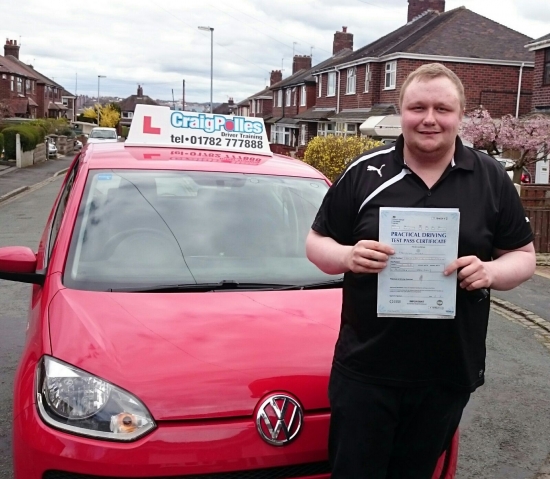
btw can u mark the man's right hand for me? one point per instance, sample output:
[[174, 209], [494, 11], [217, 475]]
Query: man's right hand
[[368, 256]]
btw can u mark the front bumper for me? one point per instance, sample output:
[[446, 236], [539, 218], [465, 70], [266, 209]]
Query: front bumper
[[228, 449]]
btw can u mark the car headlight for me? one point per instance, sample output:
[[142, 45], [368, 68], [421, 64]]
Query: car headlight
[[78, 402]]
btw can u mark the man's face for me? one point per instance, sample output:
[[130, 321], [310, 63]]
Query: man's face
[[430, 116]]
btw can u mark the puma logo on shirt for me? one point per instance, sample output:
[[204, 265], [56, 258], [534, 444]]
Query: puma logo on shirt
[[378, 170]]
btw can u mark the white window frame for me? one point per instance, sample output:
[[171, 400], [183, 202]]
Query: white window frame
[[280, 98], [325, 129], [258, 106], [282, 135], [320, 84], [390, 75], [331, 84], [351, 77], [368, 77], [252, 107], [288, 94], [294, 96], [303, 95], [19, 85], [128, 114], [12, 83], [274, 98], [303, 134]]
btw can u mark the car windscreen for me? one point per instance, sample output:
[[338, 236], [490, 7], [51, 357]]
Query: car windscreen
[[103, 134], [139, 229]]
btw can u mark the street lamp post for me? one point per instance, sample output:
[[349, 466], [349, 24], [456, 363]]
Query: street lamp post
[[98, 103], [211, 62]]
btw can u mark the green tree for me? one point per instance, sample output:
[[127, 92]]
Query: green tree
[[331, 154]]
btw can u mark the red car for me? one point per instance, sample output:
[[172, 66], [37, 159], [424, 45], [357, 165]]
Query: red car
[[176, 328]]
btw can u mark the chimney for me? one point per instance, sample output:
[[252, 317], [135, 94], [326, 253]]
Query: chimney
[[342, 40], [418, 7], [11, 48], [140, 91], [276, 77], [301, 62], [230, 102]]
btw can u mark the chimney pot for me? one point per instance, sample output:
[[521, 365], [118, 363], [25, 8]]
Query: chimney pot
[[344, 29]]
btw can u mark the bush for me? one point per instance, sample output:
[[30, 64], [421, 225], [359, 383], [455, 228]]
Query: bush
[[30, 137], [125, 131], [331, 154]]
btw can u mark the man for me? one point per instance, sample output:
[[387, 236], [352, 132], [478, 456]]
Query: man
[[398, 386]]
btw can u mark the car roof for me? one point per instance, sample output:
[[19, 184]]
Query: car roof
[[118, 156]]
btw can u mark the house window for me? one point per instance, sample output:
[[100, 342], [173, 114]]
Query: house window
[[331, 85], [12, 83], [274, 98], [391, 69], [288, 93], [368, 75], [303, 134], [128, 114], [294, 96], [546, 78], [280, 98], [320, 84], [253, 106], [303, 96], [350, 83], [4, 76], [346, 129], [65, 101], [259, 106], [27, 85], [325, 129], [282, 135], [19, 85]]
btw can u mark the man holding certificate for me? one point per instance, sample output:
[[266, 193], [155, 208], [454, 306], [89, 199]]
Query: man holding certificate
[[422, 229]]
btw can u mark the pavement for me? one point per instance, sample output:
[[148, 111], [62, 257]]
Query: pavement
[[16, 180]]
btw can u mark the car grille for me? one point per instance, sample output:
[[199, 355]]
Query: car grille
[[286, 472]]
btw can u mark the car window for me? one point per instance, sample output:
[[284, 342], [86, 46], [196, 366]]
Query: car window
[[157, 227], [103, 134], [60, 210]]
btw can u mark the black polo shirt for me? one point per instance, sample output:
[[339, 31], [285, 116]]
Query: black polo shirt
[[410, 351]]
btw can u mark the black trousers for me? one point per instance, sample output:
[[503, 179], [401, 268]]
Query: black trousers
[[382, 432]]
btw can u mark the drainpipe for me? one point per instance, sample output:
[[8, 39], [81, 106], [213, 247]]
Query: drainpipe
[[338, 94], [519, 89]]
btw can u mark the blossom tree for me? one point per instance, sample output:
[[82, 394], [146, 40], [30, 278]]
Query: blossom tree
[[529, 137]]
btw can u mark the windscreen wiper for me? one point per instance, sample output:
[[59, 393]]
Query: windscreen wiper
[[225, 285], [332, 283]]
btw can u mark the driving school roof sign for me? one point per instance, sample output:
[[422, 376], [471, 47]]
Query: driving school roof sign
[[162, 127]]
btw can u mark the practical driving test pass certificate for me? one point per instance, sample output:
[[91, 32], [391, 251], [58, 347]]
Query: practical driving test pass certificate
[[425, 240]]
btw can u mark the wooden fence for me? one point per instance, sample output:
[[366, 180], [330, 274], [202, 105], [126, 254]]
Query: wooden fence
[[536, 202]]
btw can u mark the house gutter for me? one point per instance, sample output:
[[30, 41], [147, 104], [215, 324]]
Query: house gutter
[[519, 89]]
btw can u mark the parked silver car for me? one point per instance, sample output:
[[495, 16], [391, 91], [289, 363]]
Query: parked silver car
[[52, 150]]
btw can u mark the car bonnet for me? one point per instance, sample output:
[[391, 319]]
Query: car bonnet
[[201, 355]]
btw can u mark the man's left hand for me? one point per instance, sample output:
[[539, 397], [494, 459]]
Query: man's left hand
[[472, 272]]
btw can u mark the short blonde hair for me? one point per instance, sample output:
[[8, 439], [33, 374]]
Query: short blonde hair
[[429, 71]]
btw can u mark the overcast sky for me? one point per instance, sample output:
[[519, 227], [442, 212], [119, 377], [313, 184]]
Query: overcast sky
[[157, 43]]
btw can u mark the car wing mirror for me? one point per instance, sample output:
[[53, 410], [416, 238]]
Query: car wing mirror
[[18, 263]]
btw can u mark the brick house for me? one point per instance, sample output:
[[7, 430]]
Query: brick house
[[18, 88], [489, 58], [541, 78], [31, 94], [260, 105], [295, 115], [128, 106]]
